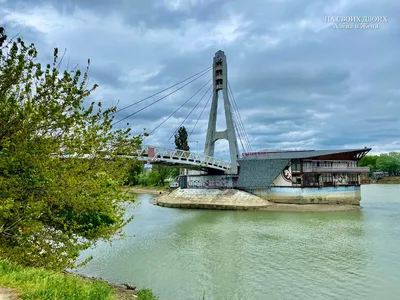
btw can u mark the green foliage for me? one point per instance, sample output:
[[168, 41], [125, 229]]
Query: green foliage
[[369, 161], [164, 173], [53, 206], [39, 283], [44, 284], [157, 177], [134, 170], [174, 172], [146, 294], [389, 162], [153, 178], [204, 295], [181, 139]]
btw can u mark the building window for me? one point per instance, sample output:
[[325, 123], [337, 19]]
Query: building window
[[352, 178], [327, 178], [295, 166], [296, 180], [310, 180]]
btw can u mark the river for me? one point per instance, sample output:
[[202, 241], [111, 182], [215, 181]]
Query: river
[[180, 253]]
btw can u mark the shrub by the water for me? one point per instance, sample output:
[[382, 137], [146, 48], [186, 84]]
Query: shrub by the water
[[147, 294], [55, 200]]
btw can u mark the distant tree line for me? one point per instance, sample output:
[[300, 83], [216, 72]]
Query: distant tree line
[[158, 175], [387, 162]]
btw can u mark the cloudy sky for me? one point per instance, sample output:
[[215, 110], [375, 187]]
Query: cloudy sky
[[299, 82]]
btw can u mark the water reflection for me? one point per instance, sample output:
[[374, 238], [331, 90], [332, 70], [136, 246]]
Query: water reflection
[[256, 252]]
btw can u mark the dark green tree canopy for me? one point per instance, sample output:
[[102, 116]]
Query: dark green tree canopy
[[181, 139], [388, 162], [53, 205]]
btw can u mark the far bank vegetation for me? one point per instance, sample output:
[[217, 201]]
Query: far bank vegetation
[[384, 168]]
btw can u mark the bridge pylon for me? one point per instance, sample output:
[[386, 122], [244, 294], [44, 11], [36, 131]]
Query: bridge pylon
[[220, 83]]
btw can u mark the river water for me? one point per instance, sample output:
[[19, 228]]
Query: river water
[[259, 255]]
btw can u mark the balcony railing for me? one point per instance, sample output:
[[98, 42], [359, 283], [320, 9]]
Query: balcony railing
[[335, 169]]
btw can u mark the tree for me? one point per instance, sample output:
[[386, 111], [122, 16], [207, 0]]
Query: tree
[[174, 172], [153, 178], [389, 162], [134, 170], [181, 139], [54, 199], [369, 161], [163, 171]]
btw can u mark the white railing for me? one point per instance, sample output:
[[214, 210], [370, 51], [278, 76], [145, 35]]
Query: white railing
[[335, 169], [154, 154]]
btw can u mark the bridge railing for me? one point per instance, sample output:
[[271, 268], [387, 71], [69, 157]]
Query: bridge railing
[[155, 154], [174, 156]]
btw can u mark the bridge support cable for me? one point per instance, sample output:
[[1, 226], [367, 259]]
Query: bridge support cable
[[241, 126], [239, 130], [237, 126], [208, 101], [154, 102], [211, 85], [164, 90], [241, 139], [170, 116], [240, 119]]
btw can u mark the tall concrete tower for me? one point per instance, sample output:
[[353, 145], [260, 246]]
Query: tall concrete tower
[[220, 76]]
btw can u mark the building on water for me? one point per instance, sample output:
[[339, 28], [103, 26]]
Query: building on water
[[295, 177], [319, 176]]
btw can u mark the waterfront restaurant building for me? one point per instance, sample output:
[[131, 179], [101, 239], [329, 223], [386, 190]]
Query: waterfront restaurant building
[[296, 177], [314, 176]]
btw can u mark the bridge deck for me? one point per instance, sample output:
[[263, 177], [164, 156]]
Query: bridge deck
[[179, 157]]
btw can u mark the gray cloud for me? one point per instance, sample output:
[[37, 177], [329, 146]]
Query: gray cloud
[[298, 82]]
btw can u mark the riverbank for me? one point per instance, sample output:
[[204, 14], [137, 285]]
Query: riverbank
[[17, 282], [389, 180], [230, 199], [139, 189]]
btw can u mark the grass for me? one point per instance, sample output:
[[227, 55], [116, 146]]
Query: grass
[[146, 294], [32, 283]]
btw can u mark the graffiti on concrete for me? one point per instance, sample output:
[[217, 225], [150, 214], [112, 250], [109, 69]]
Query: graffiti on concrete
[[217, 183], [209, 183]]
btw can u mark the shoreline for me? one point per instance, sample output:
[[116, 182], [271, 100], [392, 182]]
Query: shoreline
[[123, 291], [163, 193], [145, 190], [239, 200], [273, 207]]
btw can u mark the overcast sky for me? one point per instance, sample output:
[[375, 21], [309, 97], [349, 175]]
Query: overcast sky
[[299, 82]]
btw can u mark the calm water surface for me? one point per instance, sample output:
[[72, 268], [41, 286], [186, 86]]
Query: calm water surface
[[259, 255]]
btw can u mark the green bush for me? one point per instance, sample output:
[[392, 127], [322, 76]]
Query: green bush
[[55, 200], [146, 294]]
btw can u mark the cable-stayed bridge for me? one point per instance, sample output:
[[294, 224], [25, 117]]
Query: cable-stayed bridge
[[210, 90]]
